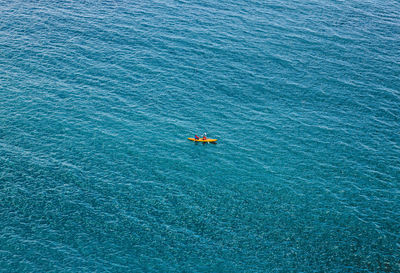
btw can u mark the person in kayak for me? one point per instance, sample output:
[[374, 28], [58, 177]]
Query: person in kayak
[[204, 136], [196, 137]]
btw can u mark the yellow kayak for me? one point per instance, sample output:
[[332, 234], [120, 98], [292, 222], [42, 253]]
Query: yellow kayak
[[202, 140]]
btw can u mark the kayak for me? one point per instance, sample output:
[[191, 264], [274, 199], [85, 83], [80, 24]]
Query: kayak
[[202, 140]]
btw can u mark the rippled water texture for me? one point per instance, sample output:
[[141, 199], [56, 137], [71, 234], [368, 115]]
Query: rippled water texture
[[97, 99]]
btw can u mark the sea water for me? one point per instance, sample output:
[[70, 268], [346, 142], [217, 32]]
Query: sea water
[[98, 98]]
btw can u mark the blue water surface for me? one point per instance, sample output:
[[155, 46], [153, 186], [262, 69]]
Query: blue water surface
[[98, 98]]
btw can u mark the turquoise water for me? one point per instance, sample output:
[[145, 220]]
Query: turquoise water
[[97, 99]]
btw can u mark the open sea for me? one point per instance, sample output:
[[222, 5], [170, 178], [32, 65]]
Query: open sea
[[98, 98]]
